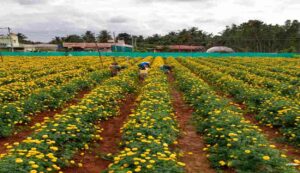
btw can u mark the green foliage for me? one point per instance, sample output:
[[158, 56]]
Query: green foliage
[[231, 140]]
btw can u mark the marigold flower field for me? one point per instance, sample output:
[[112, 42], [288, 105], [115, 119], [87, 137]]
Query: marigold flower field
[[245, 113]]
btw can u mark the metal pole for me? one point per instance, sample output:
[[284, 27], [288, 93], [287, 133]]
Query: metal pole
[[11, 43], [135, 43], [99, 53], [114, 42], [132, 42]]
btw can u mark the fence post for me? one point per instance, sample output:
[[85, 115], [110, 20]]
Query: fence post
[[2, 59]]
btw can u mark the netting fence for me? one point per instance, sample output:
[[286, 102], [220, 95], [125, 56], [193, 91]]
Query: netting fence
[[145, 54]]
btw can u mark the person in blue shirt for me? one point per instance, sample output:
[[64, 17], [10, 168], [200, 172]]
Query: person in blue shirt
[[143, 70]]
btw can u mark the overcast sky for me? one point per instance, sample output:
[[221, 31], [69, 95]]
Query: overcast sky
[[41, 20]]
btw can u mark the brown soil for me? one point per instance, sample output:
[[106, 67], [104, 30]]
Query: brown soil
[[190, 143], [92, 161], [273, 135], [25, 131]]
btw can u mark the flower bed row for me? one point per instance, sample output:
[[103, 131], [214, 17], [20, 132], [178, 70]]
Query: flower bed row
[[150, 131], [283, 66], [275, 86], [259, 69], [19, 67], [51, 67], [46, 99], [56, 141], [271, 109], [232, 142], [17, 90]]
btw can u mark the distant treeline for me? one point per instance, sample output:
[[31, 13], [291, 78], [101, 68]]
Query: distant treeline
[[251, 36]]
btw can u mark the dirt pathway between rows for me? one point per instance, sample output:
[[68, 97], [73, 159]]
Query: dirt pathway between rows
[[92, 160], [190, 143], [24, 131], [273, 137]]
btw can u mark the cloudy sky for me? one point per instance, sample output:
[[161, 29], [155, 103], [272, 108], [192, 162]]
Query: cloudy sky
[[41, 20]]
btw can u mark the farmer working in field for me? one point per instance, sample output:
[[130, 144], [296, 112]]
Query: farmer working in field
[[143, 70], [114, 69], [166, 68]]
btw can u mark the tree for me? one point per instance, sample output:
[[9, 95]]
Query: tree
[[57, 40], [89, 37], [256, 36], [73, 39], [104, 36], [250, 36], [23, 39], [124, 36]]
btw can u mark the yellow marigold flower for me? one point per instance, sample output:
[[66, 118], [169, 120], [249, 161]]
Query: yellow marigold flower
[[116, 159], [19, 160], [54, 148], [222, 163], [33, 171], [152, 161], [31, 162], [45, 136], [34, 166], [181, 163], [283, 155], [149, 166], [247, 151], [137, 170], [80, 165], [266, 157]]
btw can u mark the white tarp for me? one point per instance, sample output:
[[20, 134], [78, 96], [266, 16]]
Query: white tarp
[[219, 49]]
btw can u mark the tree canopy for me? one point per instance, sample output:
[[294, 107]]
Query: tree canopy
[[250, 36], [104, 36]]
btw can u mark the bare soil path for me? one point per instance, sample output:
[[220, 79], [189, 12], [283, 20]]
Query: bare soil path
[[92, 161], [274, 137], [190, 143], [23, 131]]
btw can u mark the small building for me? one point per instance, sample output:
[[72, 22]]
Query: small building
[[39, 47], [179, 48], [103, 47], [8, 41], [220, 49]]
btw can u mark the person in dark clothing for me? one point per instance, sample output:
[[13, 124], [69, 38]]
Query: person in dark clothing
[[115, 68], [166, 68]]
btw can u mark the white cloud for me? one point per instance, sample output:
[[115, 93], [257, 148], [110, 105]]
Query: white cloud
[[44, 19]]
